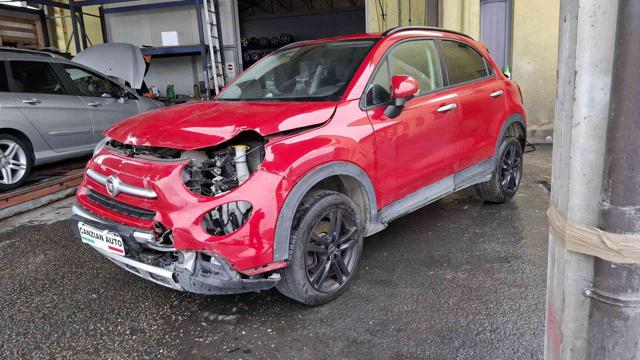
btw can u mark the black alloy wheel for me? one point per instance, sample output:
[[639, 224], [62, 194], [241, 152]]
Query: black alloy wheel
[[331, 251], [324, 248], [511, 171], [507, 174]]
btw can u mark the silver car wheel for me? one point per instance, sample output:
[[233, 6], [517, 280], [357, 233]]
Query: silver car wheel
[[13, 162]]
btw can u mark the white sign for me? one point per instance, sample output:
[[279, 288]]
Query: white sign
[[169, 38]]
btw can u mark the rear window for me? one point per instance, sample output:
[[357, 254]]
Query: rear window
[[463, 62], [35, 77], [4, 84]]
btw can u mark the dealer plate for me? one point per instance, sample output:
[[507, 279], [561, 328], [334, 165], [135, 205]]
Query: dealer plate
[[101, 239]]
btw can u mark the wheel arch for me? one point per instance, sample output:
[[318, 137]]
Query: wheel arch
[[513, 125], [22, 136], [344, 177]]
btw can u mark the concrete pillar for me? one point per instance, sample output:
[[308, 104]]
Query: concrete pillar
[[585, 58]]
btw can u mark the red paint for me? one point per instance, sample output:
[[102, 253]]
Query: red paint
[[116, 249], [400, 155], [403, 86], [554, 332]]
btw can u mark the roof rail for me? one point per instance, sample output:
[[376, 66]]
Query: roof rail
[[25, 51], [428, 28]]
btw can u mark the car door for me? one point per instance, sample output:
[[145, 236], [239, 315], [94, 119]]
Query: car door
[[414, 149], [101, 96], [482, 103], [61, 118]]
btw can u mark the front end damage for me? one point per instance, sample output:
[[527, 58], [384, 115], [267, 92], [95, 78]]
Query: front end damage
[[191, 220], [190, 271]]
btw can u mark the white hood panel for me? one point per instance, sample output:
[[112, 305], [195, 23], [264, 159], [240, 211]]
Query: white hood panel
[[120, 60]]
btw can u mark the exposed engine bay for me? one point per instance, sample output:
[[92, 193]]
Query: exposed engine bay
[[215, 171]]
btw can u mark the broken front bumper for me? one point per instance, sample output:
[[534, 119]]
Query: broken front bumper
[[194, 272]]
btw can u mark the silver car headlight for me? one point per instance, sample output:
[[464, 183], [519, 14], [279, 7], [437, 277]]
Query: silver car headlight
[[100, 145]]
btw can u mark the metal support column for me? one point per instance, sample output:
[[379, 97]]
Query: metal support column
[[216, 9], [614, 320], [585, 45], [74, 26], [83, 30], [203, 49]]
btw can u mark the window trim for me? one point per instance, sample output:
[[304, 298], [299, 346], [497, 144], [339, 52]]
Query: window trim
[[72, 86], [443, 71], [5, 67], [490, 71], [51, 65]]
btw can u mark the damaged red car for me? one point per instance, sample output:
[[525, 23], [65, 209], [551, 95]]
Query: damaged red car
[[320, 144]]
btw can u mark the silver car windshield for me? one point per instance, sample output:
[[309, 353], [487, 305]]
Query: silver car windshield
[[314, 72]]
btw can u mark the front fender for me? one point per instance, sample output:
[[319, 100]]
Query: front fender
[[302, 187]]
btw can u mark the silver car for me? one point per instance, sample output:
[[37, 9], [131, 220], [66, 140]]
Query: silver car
[[53, 109]]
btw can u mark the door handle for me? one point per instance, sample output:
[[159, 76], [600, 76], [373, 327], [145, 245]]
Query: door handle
[[94, 104], [496, 93], [447, 107], [31, 101]]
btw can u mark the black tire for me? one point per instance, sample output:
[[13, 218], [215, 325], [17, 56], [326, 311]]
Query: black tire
[[21, 156], [507, 175], [322, 265]]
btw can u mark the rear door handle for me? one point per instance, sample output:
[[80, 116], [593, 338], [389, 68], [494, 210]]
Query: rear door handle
[[447, 107], [94, 104], [31, 101], [496, 93]]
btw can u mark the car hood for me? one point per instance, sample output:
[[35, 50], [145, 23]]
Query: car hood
[[120, 60], [202, 124]]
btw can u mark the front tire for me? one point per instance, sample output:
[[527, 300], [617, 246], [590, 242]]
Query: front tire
[[505, 181], [325, 246], [15, 162]]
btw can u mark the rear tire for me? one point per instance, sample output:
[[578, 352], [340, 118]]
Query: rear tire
[[505, 181], [15, 162], [325, 246]]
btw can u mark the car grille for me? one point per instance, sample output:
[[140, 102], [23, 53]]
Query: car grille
[[120, 207]]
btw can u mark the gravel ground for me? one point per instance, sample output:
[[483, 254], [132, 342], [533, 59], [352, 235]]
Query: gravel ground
[[456, 279]]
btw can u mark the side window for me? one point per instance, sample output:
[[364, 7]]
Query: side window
[[4, 84], [35, 77], [463, 62], [379, 89], [418, 59], [88, 84]]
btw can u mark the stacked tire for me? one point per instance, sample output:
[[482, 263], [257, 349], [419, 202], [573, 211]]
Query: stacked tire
[[255, 48]]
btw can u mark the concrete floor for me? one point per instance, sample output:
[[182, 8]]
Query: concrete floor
[[456, 279]]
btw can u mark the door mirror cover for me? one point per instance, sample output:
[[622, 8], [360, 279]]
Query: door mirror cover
[[403, 88]]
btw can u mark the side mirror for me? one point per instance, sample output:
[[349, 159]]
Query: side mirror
[[119, 93], [403, 88]]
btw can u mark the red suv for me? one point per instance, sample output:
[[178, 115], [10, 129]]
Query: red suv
[[277, 181]]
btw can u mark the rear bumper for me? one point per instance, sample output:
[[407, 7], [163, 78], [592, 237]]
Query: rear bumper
[[194, 272]]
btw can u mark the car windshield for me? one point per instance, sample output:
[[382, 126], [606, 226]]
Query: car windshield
[[314, 72]]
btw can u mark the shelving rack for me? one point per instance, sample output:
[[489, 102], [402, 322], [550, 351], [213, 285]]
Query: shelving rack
[[80, 37]]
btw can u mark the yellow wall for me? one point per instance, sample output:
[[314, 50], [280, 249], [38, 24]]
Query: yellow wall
[[386, 14], [63, 28], [535, 58], [534, 45], [461, 15]]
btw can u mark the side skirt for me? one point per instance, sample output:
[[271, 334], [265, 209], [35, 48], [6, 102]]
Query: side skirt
[[475, 174]]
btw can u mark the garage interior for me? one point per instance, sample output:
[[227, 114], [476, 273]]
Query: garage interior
[[460, 278]]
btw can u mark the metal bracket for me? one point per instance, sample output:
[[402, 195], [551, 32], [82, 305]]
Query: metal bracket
[[610, 299]]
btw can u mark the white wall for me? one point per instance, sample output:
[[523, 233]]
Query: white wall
[[145, 28]]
